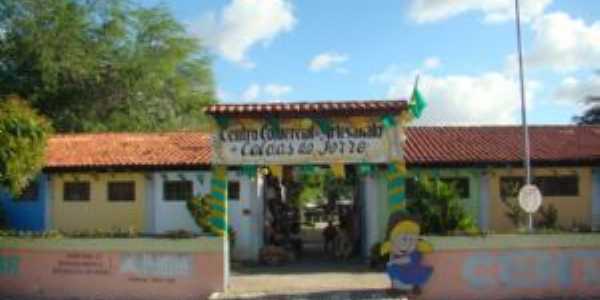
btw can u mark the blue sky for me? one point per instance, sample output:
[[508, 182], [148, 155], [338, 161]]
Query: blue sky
[[281, 50]]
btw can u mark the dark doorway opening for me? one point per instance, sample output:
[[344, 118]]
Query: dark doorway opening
[[312, 215]]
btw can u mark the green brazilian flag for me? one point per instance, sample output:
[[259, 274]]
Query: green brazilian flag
[[417, 103]]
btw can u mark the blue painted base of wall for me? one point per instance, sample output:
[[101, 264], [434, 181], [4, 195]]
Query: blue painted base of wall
[[27, 214]]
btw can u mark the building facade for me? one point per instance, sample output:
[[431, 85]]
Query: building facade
[[140, 181], [87, 201]]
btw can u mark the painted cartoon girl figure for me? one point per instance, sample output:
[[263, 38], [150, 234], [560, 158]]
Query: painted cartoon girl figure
[[406, 250]]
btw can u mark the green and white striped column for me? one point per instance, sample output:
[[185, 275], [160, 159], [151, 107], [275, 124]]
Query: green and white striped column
[[218, 186], [396, 185]]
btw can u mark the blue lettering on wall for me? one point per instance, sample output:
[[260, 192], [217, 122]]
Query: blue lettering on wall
[[9, 265], [472, 270], [532, 269]]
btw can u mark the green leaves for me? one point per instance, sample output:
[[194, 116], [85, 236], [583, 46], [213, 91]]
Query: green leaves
[[23, 136], [438, 207], [104, 65]]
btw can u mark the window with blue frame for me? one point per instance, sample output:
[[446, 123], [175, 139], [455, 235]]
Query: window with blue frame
[[178, 190]]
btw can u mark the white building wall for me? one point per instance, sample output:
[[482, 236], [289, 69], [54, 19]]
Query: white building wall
[[243, 213], [173, 215]]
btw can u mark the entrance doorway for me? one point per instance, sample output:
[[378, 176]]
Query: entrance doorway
[[310, 214]]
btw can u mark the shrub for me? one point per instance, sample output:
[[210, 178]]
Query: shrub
[[439, 208], [514, 212], [51, 234], [201, 210], [376, 259], [580, 227], [23, 135], [547, 217]]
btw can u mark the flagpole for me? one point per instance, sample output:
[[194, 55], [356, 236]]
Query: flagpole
[[416, 83], [526, 153]]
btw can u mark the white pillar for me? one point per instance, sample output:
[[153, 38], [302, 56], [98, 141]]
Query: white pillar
[[371, 213], [257, 211], [247, 232]]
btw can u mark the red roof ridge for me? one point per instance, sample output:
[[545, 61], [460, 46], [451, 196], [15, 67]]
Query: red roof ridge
[[301, 102], [125, 133], [477, 126]]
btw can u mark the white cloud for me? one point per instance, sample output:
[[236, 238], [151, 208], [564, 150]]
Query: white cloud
[[251, 93], [432, 63], [423, 11], [223, 95], [564, 43], [244, 23], [277, 90], [572, 90], [271, 92], [489, 98], [326, 60]]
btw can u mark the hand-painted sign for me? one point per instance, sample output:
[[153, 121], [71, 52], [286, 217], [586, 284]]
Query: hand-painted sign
[[406, 249], [157, 264], [83, 263], [341, 142]]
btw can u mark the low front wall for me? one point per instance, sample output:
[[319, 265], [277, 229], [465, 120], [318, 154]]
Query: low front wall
[[513, 267], [507, 274], [111, 269]]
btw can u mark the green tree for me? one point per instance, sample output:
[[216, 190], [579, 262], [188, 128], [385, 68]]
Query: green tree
[[319, 186], [592, 114], [438, 207], [23, 136], [103, 65]]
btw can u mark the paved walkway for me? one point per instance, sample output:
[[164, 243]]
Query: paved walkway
[[312, 280], [308, 280]]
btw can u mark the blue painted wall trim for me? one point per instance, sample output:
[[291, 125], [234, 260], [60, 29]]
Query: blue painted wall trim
[[27, 215]]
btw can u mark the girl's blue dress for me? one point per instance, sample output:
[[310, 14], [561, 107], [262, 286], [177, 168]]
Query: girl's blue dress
[[411, 273]]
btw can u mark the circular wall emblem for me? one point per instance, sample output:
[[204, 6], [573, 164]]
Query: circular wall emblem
[[530, 198]]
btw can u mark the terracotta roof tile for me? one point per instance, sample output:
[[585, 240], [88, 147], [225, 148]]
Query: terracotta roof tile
[[106, 150], [304, 109], [501, 144], [426, 146]]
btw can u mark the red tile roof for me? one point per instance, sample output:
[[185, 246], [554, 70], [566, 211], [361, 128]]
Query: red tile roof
[[109, 150], [501, 144], [427, 146], [303, 109]]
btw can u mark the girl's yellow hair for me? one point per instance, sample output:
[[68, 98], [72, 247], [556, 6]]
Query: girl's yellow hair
[[406, 227]]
